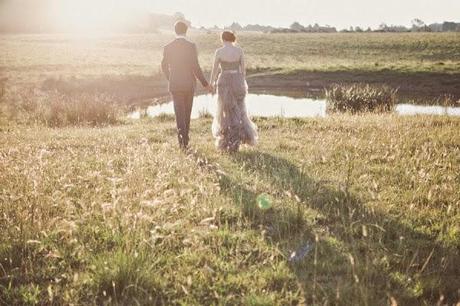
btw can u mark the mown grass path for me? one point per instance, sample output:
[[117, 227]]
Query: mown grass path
[[118, 215]]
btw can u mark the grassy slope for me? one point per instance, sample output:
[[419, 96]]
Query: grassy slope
[[118, 214]]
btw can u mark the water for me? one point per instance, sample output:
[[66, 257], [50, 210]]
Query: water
[[265, 105], [410, 110]]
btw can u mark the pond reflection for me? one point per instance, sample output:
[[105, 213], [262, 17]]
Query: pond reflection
[[411, 109], [265, 105]]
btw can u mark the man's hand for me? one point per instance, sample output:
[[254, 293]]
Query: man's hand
[[210, 89]]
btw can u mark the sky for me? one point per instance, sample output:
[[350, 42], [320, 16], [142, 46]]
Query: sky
[[88, 14], [339, 13]]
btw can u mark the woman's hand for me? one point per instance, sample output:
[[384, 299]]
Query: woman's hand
[[212, 89]]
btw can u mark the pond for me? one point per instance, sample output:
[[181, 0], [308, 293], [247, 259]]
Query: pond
[[265, 105]]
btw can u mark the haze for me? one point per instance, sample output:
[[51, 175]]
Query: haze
[[86, 15]]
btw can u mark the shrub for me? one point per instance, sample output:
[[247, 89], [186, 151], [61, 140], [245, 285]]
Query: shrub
[[447, 100], [204, 114], [163, 117], [56, 109], [360, 98]]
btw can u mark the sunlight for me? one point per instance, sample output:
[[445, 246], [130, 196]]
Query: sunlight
[[87, 16]]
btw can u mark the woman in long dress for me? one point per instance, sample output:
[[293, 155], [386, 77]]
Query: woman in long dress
[[231, 126]]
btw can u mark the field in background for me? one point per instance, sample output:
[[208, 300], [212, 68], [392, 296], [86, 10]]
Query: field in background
[[423, 64], [35, 56]]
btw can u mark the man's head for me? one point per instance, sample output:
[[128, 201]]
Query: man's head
[[181, 28]]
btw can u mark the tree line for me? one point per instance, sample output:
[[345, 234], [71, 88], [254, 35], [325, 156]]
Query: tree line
[[296, 27]]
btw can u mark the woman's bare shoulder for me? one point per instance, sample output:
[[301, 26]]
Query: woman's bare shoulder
[[219, 50]]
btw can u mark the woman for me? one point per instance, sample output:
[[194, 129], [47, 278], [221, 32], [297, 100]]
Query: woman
[[232, 126]]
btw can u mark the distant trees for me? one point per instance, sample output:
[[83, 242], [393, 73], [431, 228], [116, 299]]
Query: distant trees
[[235, 27], [450, 26], [296, 27], [158, 21], [258, 28], [392, 28], [419, 26]]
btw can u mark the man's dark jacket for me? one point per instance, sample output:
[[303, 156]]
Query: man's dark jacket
[[181, 67]]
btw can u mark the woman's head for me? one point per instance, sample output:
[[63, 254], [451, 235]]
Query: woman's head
[[228, 36]]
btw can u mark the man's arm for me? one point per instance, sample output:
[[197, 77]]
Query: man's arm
[[197, 69], [165, 64]]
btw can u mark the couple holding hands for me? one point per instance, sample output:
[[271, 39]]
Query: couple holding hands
[[232, 126]]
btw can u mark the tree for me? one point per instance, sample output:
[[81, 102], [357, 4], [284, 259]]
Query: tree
[[296, 26], [235, 27], [181, 17], [418, 25], [449, 26], [383, 27]]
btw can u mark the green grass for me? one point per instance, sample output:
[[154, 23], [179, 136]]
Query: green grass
[[34, 58], [424, 66], [118, 215]]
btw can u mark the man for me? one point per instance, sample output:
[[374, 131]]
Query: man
[[181, 67]]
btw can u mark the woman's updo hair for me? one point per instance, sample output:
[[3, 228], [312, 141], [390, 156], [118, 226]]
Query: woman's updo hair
[[228, 36]]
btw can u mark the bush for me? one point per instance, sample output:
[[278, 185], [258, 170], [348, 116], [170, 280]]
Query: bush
[[360, 98], [163, 117], [56, 109]]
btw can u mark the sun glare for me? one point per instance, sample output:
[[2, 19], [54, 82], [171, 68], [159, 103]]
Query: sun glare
[[87, 16]]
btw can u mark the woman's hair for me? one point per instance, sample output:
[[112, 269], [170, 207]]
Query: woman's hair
[[228, 36]]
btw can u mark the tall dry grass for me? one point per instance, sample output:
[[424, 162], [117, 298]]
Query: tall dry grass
[[55, 109], [357, 98], [117, 216]]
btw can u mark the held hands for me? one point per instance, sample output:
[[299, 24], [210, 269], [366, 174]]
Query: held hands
[[211, 89]]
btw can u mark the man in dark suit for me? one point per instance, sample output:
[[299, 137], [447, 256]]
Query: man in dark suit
[[181, 67]]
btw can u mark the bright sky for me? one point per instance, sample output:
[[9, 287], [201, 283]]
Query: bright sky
[[89, 14], [340, 13]]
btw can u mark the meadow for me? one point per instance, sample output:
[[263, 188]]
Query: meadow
[[32, 56], [128, 66], [103, 210], [117, 215]]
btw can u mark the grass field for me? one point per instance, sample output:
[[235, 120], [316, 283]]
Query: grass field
[[365, 208], [35, 55], [118, 215], [427, 64]]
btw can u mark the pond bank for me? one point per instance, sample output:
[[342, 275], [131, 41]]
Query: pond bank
[[138, 90]]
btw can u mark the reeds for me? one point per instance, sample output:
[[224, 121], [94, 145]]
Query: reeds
[[359, 97], [56, 110]]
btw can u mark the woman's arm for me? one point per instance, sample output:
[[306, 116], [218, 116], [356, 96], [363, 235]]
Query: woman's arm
[[243, 64], [215, 69]]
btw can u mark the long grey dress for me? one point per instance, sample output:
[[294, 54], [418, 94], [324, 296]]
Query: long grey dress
[[232, 126]]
